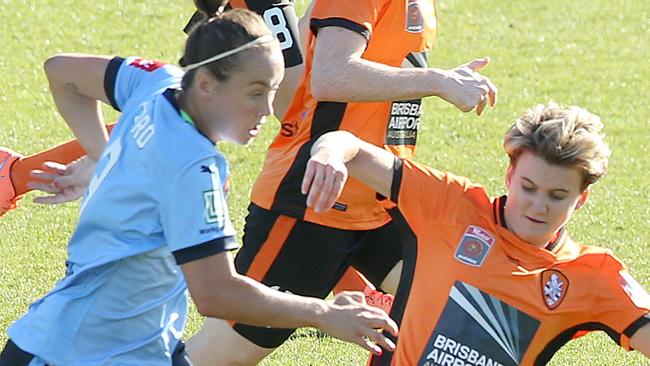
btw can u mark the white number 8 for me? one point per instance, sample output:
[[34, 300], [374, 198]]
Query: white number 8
[[275, 20]]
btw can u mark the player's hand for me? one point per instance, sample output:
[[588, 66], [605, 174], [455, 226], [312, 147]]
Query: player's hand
[[350, 318], [468, 89], [324, 179], [65, 183]]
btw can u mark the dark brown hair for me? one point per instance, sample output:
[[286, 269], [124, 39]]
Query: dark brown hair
[[220, 33]]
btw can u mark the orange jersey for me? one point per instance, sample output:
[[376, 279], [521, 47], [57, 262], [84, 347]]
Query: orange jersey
[[396, 31], [473, 293]]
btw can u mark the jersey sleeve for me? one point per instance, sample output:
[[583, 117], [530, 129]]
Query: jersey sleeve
[[195, 214], [359, 16], [622, 304], [124, 77], [425, 195]]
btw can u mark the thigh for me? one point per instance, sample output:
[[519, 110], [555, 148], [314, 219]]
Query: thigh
[[380, 251], [218, 344], [294, 256]]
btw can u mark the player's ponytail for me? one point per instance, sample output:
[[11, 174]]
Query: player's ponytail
[[211, 7]]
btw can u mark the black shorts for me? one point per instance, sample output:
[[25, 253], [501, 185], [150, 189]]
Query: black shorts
[[13, 356], [308, 259]]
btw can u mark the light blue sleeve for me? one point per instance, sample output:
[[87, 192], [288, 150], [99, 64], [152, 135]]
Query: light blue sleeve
[[194, 211], [135, 76]]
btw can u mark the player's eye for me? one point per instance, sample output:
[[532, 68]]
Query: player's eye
[[528, 188], [556, 197]]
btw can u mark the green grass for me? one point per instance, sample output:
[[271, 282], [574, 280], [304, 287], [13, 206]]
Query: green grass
[[589, 52]]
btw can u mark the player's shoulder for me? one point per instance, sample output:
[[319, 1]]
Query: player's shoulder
[[148, 65], [594, 257]]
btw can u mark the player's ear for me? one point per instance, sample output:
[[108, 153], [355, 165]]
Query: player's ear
[[509, 173], [205, 82]]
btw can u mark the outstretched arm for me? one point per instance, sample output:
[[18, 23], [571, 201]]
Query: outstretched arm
[[339, 74], [219, 291], [333, 156]]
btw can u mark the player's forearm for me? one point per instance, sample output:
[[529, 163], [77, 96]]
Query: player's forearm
[[360, 80], [250, 302], [340, 144]]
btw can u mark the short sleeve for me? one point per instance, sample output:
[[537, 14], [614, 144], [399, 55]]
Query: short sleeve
[[423, 194], [358, 16], [125, 77], [622, 303], [195, 214]]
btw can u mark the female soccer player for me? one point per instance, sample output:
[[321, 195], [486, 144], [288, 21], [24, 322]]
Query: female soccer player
[[495, 281], [154, 221]]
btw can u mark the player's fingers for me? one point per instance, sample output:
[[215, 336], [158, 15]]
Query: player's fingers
[[493, 92], [481, 105], [315, 188], [54, 199], [326, 198], [478, 63], [55, 167], [69, 181], [366, 343], [42, 175], [308, 177], [381, 340], [46, 200], [44, 187]]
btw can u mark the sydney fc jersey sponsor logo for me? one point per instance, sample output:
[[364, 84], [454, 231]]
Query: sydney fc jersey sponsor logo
[[474, 246]]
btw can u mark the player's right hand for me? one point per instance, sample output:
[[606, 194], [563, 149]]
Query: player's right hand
[[350, 318], [468, 89], [65, 183]]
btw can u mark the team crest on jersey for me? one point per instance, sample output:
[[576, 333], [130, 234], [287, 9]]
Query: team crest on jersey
[[554, 288], [147, 65], [414, 16], [474, 246]]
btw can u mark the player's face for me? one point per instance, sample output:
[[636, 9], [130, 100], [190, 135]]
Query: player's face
[[241, 104], [541, 198]]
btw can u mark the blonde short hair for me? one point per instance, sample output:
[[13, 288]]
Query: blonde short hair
[[565, 136]]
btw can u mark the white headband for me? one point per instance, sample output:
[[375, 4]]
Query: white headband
[[259, 40]]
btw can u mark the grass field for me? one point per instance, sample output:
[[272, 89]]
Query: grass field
[[589, 52]]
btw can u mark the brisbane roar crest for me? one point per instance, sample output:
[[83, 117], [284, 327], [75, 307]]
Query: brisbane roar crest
[[554, 288]]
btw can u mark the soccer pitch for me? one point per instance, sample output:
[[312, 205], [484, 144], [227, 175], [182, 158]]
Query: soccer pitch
[[587, 52]]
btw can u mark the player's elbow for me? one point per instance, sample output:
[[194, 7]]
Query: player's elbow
[[213, 305], [54, 64], [322, 87]]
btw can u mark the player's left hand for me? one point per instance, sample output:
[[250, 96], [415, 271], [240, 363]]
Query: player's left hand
[[65, 183], [324, 179]]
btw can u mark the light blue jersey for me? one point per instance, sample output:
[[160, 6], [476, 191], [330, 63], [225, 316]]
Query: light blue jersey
[[156, 201]]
